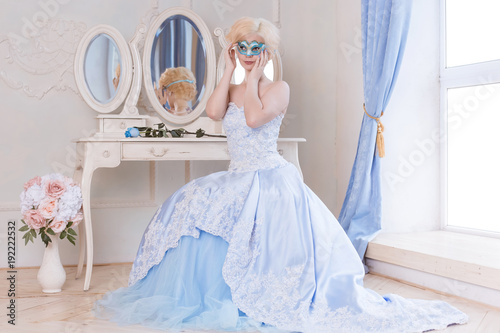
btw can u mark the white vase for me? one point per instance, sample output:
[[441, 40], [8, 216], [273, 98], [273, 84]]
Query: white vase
[[51, 275]]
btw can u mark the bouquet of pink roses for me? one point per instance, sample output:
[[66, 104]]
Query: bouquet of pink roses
[[51, 204]]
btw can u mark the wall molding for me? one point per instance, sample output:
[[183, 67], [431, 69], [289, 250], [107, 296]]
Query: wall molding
[[49, 54], [149, 201]]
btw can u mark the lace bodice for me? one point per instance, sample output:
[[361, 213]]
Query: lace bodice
[[251, 148]]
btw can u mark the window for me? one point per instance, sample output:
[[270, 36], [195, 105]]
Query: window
[[470, 108]]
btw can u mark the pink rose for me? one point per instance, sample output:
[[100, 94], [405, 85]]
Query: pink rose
[[48, 207], [37, 180], [76, 219], [58, 225], [54, 188], [34, 219]]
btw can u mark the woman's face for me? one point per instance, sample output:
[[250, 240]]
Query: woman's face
[[248, 60]]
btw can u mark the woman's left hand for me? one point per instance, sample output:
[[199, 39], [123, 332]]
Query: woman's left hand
[[160, 93], [258, 69]]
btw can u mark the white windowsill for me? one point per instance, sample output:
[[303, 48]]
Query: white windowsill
[[433, 259]]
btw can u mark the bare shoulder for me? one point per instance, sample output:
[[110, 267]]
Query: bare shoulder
[[277, 88], [276, 97]]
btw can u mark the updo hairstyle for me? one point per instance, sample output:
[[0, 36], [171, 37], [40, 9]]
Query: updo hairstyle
[[184, 90]]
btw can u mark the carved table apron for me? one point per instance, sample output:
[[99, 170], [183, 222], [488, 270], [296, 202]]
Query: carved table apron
[[100, 152]]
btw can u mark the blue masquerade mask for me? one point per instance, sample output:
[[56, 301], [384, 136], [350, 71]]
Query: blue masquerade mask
[[254, 48]]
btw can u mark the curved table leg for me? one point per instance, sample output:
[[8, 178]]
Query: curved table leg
[[77, 177], [81, 250], [93, 156]]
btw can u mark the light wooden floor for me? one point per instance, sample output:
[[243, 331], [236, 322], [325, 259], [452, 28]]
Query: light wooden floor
[[69, 311]]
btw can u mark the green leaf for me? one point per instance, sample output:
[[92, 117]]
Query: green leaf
[[160, 125], [62, 235], [177, 133], [24, 228], [71, 240], [70, 223], [51, 232], [26, 239], [72, 232], [33, 233], [148, 132], [23, 221], [45, 238], [200, 133]]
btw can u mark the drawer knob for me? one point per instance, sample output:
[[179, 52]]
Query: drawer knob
[[158, 153], [106, 154], [123, 125]]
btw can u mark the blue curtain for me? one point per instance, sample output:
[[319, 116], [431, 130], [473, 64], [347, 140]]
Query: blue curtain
[[385, 26]]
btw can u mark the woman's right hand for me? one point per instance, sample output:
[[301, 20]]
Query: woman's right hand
[[230, 57]]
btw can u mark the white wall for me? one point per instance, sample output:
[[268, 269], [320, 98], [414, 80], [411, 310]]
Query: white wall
[[42, 112], [322, 64], [410, 170]]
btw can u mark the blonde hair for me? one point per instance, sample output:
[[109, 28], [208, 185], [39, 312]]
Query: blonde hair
[[248, 25], [184, 90]]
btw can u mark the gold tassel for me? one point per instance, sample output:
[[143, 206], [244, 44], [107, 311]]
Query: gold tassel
[[380, 136]]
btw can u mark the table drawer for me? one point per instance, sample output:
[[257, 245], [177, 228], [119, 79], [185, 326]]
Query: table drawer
[[136, 151], [120, 125]]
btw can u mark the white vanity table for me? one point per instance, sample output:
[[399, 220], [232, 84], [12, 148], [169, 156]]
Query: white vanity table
[[109, 147], [109, 153]]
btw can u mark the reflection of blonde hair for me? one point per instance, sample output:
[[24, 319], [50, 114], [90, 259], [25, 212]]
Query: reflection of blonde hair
[[248, 25], [184, 90]]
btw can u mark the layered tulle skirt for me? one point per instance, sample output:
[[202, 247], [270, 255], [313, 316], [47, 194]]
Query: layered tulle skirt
[[257, 250]]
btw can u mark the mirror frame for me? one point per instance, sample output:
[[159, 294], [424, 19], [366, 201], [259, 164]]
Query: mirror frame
[[221, 64], [210, 65], [125, 74]]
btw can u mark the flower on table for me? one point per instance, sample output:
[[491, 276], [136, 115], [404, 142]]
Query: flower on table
[[132, 132]]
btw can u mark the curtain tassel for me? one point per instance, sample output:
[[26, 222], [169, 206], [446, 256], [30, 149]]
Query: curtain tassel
[[380, 135]]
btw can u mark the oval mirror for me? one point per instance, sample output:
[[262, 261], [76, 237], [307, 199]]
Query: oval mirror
[[273, 69], [179, 65], [103, 68]]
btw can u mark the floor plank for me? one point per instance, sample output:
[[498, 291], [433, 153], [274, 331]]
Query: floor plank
[[70, 310]]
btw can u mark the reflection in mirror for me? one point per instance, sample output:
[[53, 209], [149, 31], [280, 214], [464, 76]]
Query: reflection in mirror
[[102, 68], [176, 90], [178, 43]]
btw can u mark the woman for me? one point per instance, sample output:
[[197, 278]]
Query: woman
[[254, 248], [177, 87]]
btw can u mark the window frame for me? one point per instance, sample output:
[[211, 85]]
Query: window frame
[[449, 78]]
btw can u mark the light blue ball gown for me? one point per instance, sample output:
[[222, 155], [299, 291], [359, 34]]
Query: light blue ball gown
[[253, 248]]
